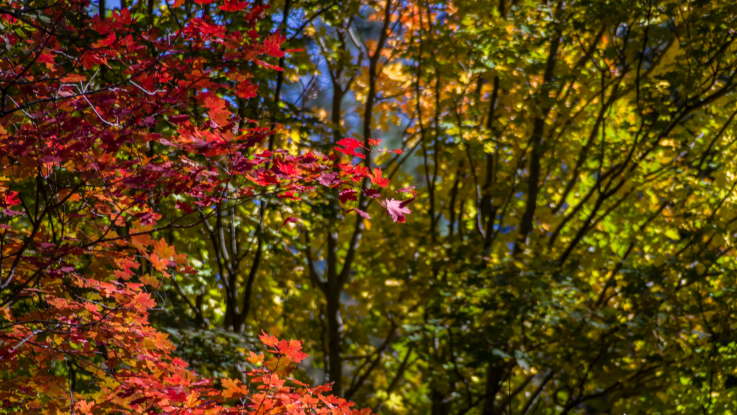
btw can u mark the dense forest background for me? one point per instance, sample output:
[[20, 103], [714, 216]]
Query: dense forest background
[[570, 246]]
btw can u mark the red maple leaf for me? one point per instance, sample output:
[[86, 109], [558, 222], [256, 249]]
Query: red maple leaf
[[346, 195], [246, 89], [397, 209], [289, 220], [288, 195], [108, 41], [11, 199], [272, 44], [286, 167], [351, 151], [218, 111], [349, 143], [361, 171], [329, 179], [372, 193], [233, 6], [360, 213], [292, 349], [179, 118]]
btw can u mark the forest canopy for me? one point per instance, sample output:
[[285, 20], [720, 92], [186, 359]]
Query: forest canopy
[[444, 207]]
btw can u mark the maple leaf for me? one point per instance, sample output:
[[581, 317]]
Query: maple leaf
[[285, 167], [47, 59], [372, 193], [360, 171], [92, 308], [377, 179], [179, 362], [267, 339], [103, 43], [90, 59], [255, 359], [233, 6], [288, 195], [11, 199], [309, 158], [232, 388], [184, 206], [346, 195], [264, 178], [73, 78], [360, 213], [292, 349], [159, 263], [397, 209], [142, 302], [218, 111], [349, 143], [406, 189], [272, 44], [329, 179], [176, 395], [84, 407], [11, 213], [246, 89], [179, 119], [289, 220], [192, 399], [351, 151], [374, 141]]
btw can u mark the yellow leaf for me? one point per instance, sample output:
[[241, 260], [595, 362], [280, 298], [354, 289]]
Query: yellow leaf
[[192, 399], [673, 234], [232, 388]]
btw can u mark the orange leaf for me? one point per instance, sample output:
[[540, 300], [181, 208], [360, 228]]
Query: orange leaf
[[218, 111], [377, 179], [232, 388], [292, 350], [268, 340], [84, 407], [255, 359], [142, 302]]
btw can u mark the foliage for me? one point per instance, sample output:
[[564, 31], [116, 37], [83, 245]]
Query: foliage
[[570, 247], [114, 132]]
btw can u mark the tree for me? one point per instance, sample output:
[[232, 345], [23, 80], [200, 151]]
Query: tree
[[273, 257], [575, 270], [114, 132], [570, 248]]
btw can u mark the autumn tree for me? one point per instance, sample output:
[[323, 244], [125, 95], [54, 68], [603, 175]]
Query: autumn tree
[[116, 131], [569, 249], [585, 205], [243, 249]]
